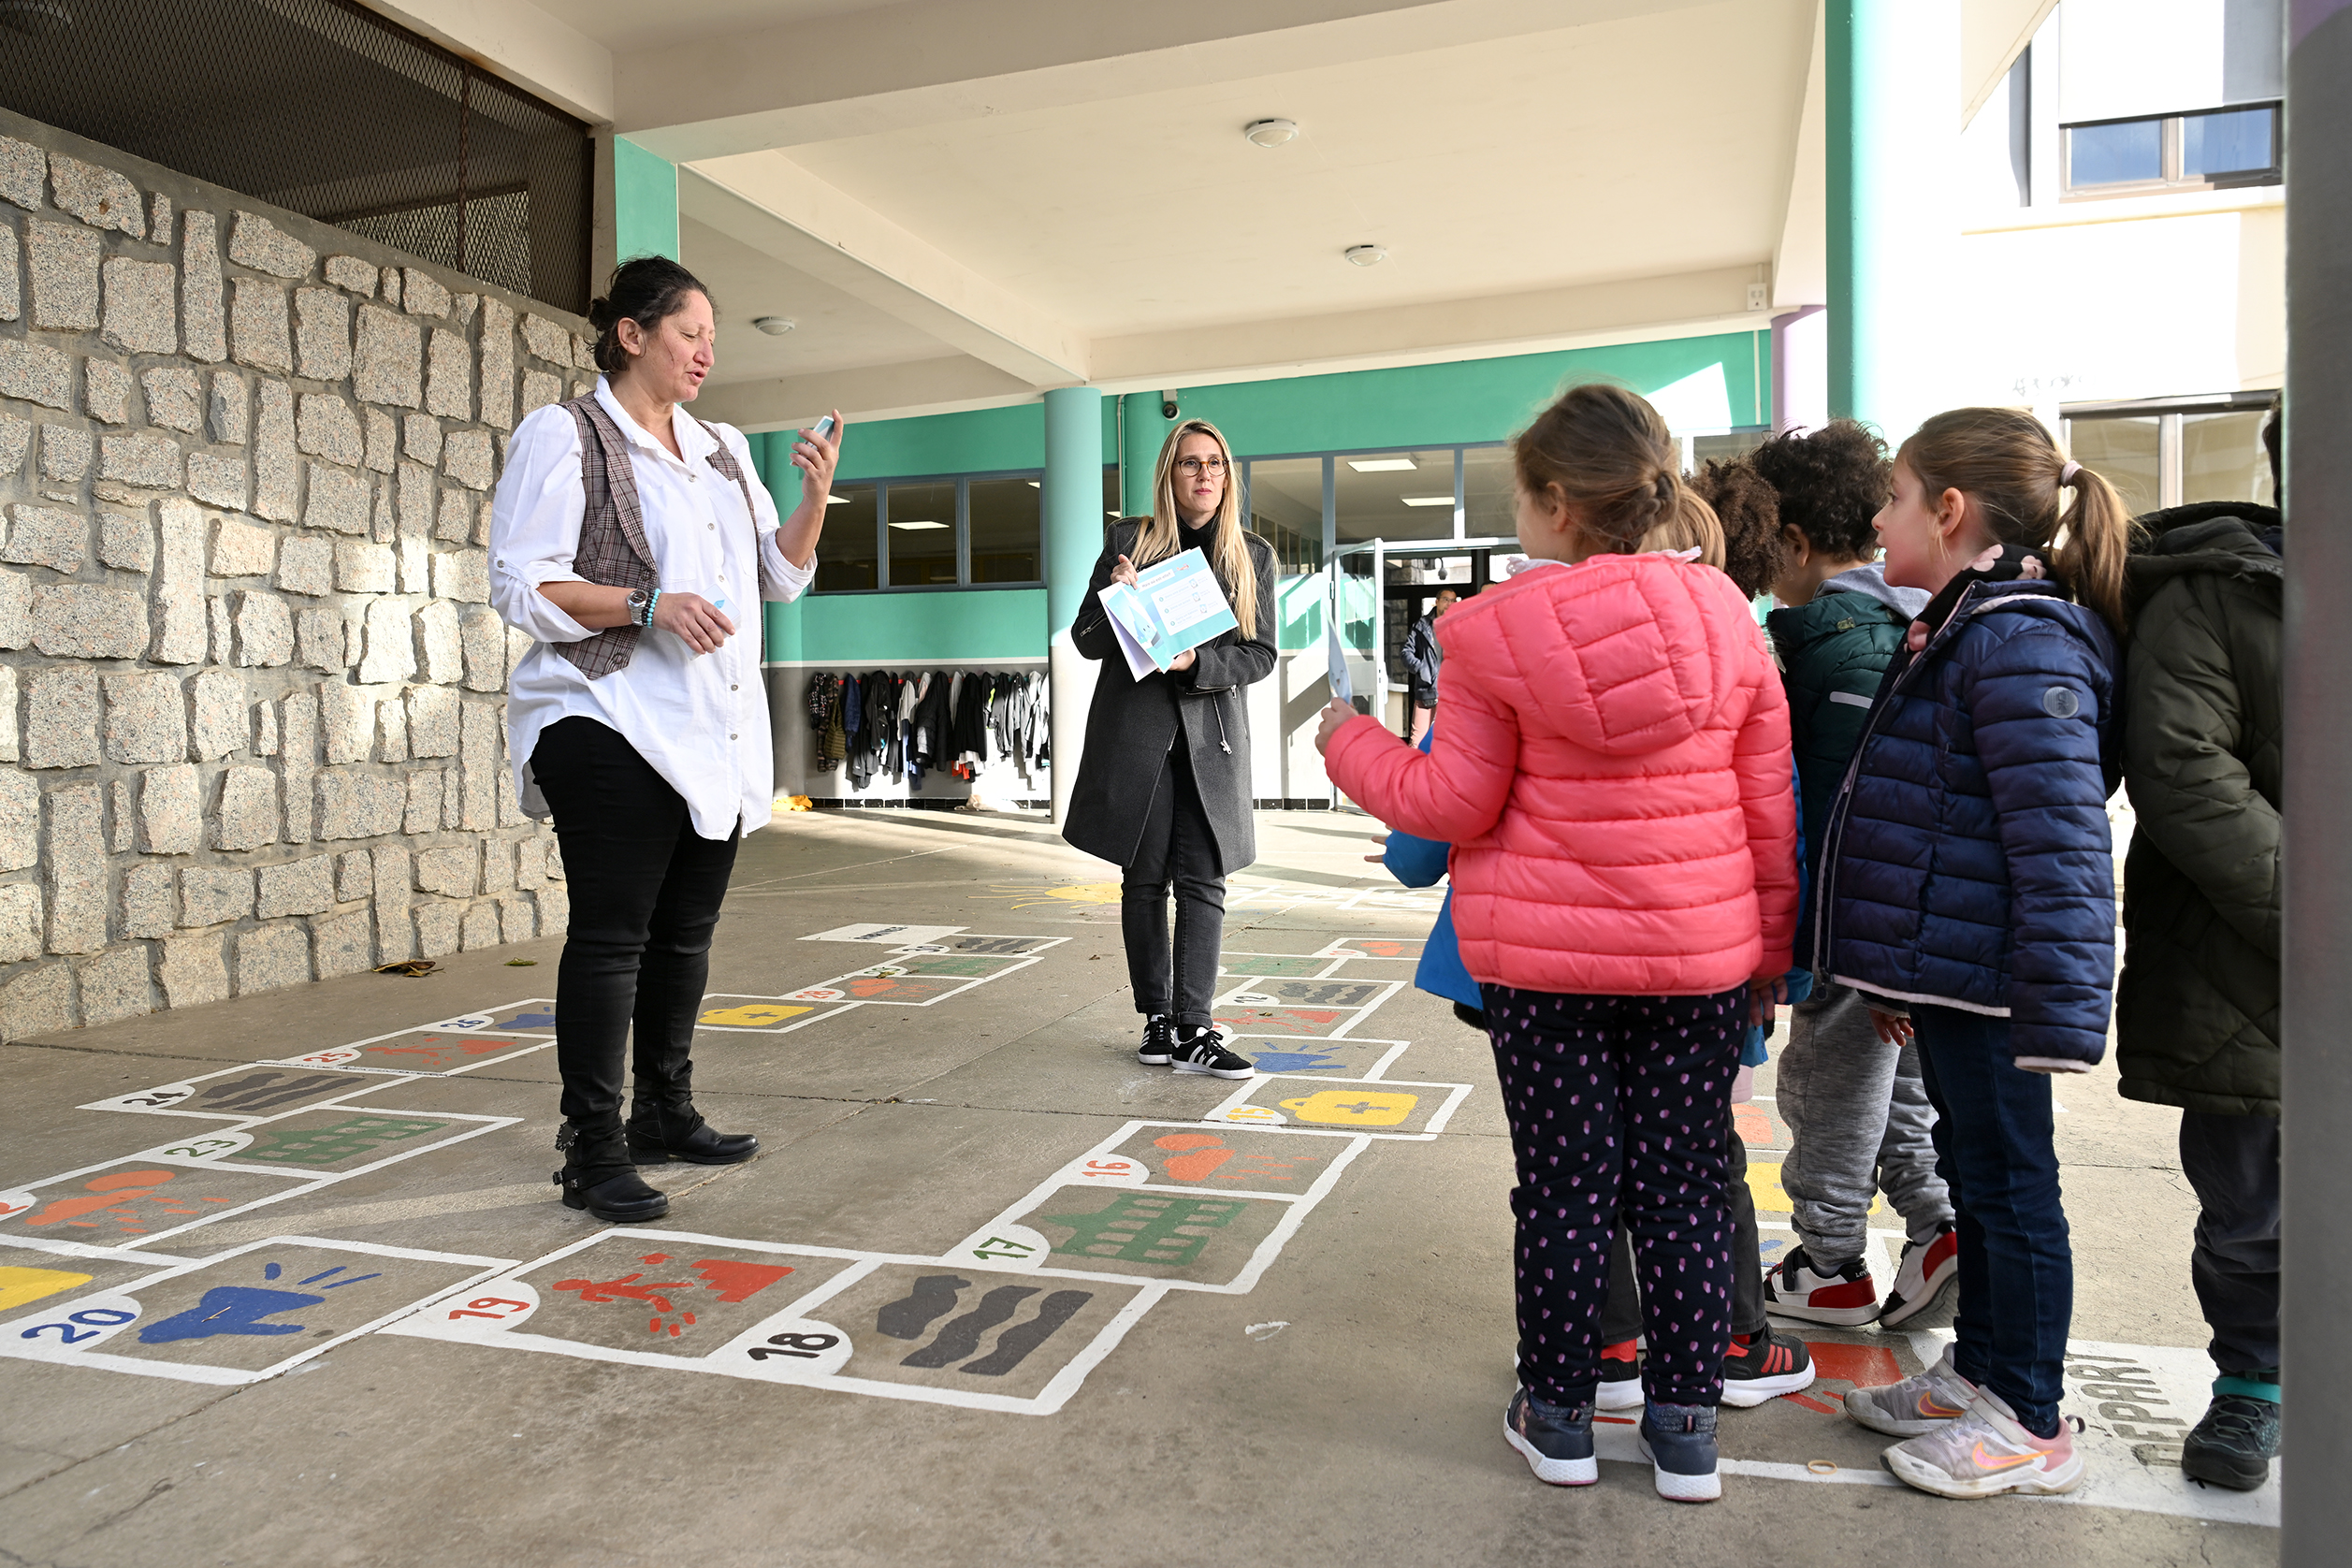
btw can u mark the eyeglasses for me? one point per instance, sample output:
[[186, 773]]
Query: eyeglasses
[[1193, 467]]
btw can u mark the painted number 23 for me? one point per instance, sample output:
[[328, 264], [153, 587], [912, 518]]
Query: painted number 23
[[806, 1346]]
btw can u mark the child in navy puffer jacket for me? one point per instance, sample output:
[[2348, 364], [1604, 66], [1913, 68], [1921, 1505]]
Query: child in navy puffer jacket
[[1968, 875]]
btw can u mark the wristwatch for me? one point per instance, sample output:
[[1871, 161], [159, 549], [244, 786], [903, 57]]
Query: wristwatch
[[640, 606]]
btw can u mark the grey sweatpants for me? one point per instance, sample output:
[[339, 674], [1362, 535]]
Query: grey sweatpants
[[1859, 1121]]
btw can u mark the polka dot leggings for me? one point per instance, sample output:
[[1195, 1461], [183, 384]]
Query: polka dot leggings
[[1620, 1102]]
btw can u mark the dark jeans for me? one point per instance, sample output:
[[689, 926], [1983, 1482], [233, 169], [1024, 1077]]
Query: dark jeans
[[1177, 851], [1994, 1150], [645, 891], [1621, 1316], [1620, 1102], [2232, 1162]]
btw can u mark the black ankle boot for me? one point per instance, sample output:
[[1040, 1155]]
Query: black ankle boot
[[656, 1133], [596, 1176]]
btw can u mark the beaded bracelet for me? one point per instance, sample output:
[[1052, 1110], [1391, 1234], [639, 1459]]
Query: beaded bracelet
[[649, 604]]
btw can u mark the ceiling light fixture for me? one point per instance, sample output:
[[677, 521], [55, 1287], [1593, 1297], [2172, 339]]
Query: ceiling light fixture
[[1366, 255], [1381, 465], [837, 501], [775, 326], [918, 525], [1271, 132], [1427, 500]]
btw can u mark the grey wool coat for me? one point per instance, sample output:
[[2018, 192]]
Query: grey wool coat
[[1132, 725]]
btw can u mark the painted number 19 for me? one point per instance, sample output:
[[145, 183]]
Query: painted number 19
[[484, 1306], [807, 1348]]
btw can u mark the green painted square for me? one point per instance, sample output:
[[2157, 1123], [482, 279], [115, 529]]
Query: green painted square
[[352, 1139]]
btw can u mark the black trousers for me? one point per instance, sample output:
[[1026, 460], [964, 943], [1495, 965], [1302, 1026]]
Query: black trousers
[[2232, 1162], [1178, 852], [1621, 1314], [645, 891]]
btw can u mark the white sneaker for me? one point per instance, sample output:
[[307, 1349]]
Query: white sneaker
[[1927, 1270], [1936, 1398], [1797, 1287], [1985, 1453]]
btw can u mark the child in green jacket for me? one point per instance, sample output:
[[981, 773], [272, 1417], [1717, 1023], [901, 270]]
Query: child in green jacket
[[1796, 519]]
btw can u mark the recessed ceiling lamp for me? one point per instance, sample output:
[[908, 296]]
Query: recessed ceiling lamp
[[1271, 132], [1366, 255], [1427, 500], [837, 501], [1381, 465], [775, 326], [910, 527]]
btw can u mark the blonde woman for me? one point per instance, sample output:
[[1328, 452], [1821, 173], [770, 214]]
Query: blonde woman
[[1163, 788]]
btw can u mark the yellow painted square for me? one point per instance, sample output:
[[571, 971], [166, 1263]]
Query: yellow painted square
[[21, 1286], [755, 1015], [1763, 1184], [1352, 1108]]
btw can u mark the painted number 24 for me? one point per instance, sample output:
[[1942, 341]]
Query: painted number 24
[[806, 1346], [92, 1320]]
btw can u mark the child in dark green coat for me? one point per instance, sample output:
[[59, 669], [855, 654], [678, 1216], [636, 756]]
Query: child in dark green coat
[[1796, 516]]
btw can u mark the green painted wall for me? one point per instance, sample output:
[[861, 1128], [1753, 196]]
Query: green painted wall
[[1423, 405], [644, 203], [910, 628]]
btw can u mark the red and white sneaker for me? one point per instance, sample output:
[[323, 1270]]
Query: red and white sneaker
[[1927, 1270], [1621, 1385], [1759, 1367], [1793, 1287], [1985, 1453]]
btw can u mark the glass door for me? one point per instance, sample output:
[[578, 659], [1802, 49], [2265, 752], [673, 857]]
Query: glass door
[[1357, 573]]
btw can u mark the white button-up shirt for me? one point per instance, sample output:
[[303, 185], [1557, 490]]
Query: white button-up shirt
[[701, 720]]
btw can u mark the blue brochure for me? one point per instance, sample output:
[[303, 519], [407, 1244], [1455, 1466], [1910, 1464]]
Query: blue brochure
[[1175, 605]]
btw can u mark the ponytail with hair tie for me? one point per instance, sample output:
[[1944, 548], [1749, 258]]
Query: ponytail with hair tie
[[2001, 459]]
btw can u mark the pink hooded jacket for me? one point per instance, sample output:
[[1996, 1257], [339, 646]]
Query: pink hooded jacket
[[1612, 769]]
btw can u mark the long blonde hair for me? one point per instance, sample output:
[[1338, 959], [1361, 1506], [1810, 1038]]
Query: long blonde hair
[[1229, 548]]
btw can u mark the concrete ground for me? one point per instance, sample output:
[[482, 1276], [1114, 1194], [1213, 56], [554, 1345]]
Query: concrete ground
[[306, 1312]]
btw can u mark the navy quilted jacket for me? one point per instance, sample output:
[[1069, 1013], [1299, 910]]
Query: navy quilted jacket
[[1968, 859]]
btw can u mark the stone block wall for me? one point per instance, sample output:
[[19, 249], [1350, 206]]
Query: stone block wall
[[252, 722]]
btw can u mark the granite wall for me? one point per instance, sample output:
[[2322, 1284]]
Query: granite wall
[[252, 722]]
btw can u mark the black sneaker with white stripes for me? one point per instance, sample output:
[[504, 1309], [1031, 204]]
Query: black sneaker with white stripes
[[1159, 1038], [1203, 1051]]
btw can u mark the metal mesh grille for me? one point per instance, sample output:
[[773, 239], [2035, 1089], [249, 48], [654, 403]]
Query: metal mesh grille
[[326, 110]]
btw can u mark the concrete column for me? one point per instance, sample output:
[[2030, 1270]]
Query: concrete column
[[644, 203], [2316, 1246], [1073, 542], [1141, 432], [1894, 134], [1800, 369]]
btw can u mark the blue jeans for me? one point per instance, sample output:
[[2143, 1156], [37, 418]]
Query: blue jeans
[[1994, 1150]]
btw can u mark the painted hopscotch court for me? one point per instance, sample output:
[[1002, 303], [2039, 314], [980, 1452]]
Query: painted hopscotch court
[[104, 1267]]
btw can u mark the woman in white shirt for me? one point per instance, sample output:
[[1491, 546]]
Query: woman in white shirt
[[634, 543]]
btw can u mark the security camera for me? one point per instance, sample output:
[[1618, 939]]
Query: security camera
[[1168, 406]]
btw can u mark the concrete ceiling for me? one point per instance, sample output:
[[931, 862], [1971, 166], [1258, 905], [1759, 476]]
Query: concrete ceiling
[[965, 201]]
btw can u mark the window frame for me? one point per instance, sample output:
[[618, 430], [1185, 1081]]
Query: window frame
[[2173, 140], [962, 483], [2168, 413]]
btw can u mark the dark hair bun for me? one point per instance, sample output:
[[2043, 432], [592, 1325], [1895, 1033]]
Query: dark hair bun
[[599, 313]]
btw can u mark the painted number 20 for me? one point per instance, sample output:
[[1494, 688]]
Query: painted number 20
[[806, 1346], [92, 1320]]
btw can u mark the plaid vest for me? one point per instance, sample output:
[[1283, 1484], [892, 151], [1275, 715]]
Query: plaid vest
[[613, 550]]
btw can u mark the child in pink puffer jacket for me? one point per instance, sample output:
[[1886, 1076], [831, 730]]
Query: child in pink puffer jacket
[[1614, 778]]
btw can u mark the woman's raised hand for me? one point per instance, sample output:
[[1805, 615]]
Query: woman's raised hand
[[692, 620], [816, 456], [1124, 571], [1336, 714]]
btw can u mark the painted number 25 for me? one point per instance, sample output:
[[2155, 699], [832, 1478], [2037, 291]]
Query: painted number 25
[[92, 1321], [806, 1346]]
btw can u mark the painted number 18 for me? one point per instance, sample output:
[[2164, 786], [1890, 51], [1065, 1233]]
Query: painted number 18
[[806, 1347]]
